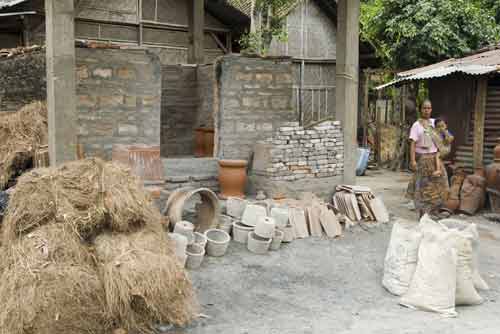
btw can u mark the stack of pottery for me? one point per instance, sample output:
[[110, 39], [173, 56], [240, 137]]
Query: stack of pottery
[[260, 239], [250, 217], [473, 193], [282, 219], [493, 179]]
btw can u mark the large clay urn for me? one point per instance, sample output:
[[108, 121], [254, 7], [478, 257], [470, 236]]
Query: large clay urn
[[209, 142], [473, 193], [493, 170], [457, 181], [199, 142], [232, 178]]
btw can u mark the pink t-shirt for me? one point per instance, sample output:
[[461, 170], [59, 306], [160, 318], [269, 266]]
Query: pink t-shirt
[[417, 135]]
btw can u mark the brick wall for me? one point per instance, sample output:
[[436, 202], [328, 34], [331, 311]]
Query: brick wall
[[187, 104], [295, 153], [22, 80], [254, 96]]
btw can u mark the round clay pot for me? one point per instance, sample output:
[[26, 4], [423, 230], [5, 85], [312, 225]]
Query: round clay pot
[[257, 244], [225, 223], [200, 239], [217, 242], [493, 170], [199, 143], [240, 232], [232, 178], [235, 207], [277, 239], [252, 214], [452, 204], [265, 227], [186, 229], [472, 194], [208, 143], [195, 254]]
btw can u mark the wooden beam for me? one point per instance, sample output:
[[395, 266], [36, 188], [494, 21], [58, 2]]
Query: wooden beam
[[196, 15], [218, 42], [479, 115]]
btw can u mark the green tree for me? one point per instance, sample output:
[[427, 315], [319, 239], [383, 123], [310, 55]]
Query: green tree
[[409, 33]]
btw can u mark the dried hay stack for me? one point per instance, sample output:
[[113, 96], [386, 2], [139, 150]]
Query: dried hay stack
[[85, 252], [50, 285], [143, 285], [20, 134]]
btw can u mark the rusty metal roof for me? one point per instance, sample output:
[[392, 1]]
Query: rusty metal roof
[[477, 64]]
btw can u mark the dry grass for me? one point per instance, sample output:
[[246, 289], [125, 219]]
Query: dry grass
[[143, 280], [20, 134]]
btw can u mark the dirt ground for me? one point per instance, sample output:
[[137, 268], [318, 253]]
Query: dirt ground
[[333, 286]]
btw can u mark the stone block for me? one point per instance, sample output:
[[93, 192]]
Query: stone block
[[284, 78], [250, 102], [103, 73], [82, 72], [241, 76], [264, 77], [150, 100], [111, 101], [127, 130], [280, 102], [125, 73], [86, 101]]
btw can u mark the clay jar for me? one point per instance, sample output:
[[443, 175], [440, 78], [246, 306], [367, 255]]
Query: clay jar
[[199, 142], [473, 192], [232, 178], [453, 201], [493, 170]]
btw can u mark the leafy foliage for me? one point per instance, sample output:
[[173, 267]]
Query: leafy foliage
[[409, 33], [269, 25]]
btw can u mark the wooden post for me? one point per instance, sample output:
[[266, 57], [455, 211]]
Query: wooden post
[[366, 109], [479, 114], [196, 31]]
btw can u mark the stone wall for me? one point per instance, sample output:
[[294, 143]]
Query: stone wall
[[296, 160], [206, 87], [22, 80], [254, 96], [118, 98], [295, 153]]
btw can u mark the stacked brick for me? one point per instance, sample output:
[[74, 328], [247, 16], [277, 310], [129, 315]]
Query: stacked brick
[[297, 153]]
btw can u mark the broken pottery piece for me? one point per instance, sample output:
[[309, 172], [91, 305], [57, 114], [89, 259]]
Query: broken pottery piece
[[240, 232], [265, 227], [252, 214], [257, 244], [235, 207]]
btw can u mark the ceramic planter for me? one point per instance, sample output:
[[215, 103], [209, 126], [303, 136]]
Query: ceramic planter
[[195, 254], [288, 233], [225, 224], [258, 245], [232, 178], [235, 207], [280, 216], [200, 239], [265, 227], [277, 239], [252, 214], [240, 232], [199, 142], [186, 229], [217, 242]]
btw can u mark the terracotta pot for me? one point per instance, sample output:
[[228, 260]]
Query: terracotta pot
[[452, 204], [208, 142], [199, 142], [473, 194], [493, 170], [232, 178]]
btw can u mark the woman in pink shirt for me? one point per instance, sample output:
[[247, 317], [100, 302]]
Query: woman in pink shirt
[[431, 187]]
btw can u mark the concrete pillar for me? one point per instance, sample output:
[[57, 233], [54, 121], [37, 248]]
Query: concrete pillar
[[61, 100], [196, 15], [347, 81]]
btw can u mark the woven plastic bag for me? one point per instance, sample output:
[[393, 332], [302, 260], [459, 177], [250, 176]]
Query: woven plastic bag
[[401, 258], [433, 286]]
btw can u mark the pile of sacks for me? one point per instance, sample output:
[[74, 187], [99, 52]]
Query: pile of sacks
[[83, 251], [433, 266]]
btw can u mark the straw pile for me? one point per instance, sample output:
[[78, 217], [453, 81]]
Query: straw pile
[[84, 251], [20, 134]]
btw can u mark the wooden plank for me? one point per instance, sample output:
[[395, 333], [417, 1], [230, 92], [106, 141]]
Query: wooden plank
[[298, 221], [313, 218], [329, 222], [479, 116], [196, 14], [379, 209]]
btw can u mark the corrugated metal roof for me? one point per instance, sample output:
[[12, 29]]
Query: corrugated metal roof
[[245, 6], [476, 64], [9, 3]]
